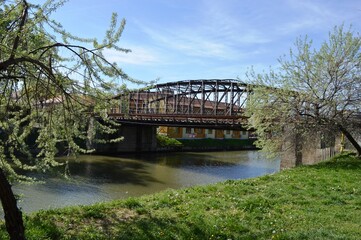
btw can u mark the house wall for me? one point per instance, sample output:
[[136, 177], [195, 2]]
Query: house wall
[[163, 130], [227, 134], [188, 133], [199, 133], [219, 133], [192, 133], [236, 134], [244, 134], [174, 132], [210, 133]]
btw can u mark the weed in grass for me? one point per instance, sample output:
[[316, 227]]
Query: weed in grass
[[95, 211], [132, 203]]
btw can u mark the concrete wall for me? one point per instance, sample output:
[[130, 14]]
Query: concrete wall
[[137, 138], [299, 150]]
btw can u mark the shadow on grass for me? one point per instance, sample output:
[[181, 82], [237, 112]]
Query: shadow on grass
[[163, 228]]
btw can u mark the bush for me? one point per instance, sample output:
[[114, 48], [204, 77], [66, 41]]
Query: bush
[[164, 141]]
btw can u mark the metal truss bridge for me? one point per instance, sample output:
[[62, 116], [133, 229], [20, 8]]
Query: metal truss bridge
[[216, 103]]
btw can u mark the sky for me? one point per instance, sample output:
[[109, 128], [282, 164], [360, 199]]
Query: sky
[[174, 40]]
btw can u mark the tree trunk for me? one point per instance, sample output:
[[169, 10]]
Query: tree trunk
[[13, 216], [351, 139]]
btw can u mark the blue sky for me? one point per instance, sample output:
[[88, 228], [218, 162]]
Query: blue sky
[[199, 39]]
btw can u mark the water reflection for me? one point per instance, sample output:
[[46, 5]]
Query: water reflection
[[101, 178]]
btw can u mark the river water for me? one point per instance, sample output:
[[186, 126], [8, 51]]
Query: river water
[[102, 178]]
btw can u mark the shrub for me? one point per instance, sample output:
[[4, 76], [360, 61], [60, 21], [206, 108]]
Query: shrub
[[165, 141]]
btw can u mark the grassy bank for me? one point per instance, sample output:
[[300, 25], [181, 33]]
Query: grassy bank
[[203, 144], [310, 202]]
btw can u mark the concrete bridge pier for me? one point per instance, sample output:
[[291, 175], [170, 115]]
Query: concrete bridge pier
[[137, 138], [299, 150]]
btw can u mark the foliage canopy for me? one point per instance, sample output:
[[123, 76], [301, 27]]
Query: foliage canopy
[[315, 92], [53, 82], [55, 89]]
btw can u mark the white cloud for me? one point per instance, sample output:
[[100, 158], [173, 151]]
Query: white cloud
[[213, 31], [220, 38], [188, 43], [203, 43], [315, 15], [313, 8], [138, 56], [233, 24]]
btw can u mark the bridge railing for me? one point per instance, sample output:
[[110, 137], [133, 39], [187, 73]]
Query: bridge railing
[[160, 111]]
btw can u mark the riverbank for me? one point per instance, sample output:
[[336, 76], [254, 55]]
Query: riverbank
[[204, 144], [309, 202]]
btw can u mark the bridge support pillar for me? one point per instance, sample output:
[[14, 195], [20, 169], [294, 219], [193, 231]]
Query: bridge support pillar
[[137, 138], [312, 149]]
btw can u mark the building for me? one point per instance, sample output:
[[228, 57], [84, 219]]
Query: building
[[197, 133]]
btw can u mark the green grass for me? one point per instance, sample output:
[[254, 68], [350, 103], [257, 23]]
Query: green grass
[[310, 202]]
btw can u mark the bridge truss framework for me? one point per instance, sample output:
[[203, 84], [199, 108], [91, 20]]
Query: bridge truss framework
[[193, 103]]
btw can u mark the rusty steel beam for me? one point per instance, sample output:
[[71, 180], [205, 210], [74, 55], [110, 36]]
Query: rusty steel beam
[[219, 98]]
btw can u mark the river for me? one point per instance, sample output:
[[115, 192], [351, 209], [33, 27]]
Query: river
[[102, 178]]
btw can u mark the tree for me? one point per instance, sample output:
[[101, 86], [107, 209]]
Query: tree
[[56, 90], [314, 91]]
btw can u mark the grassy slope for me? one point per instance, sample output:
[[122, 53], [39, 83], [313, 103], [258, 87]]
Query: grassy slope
[[310, 202]]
